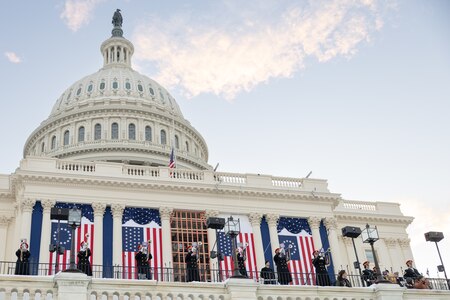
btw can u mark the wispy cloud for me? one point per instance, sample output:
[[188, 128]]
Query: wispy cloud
[[225, 58], [13, 57], [77, 13]]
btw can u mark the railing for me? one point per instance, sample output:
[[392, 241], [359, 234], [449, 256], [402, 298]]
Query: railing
[[75, 166], [200, 275], [286, 182], [230, 178], [359, 205]]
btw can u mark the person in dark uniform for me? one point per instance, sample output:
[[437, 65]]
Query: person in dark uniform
[[267, 274], [320, 264], [284, 276], [241, 256], [367, 274], [191, 260], [143, 258], [83, 255], [23, 257], [411, 274], [342, 279]]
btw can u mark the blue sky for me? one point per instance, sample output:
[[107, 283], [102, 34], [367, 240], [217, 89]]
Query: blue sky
[[356, 91]]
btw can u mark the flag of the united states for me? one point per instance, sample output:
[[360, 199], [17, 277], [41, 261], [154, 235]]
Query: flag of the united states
[[141, 225]]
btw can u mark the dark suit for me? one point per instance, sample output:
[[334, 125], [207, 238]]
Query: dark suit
[[241, 265], [142, 264], [284, 276], [268, 275], [368, 276], [192, 273], [22, 263], [83, 262], [322, 277], [411, 273]]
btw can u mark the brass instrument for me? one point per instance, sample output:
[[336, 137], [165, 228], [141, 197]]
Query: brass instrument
[[23, 243], [148, 249]]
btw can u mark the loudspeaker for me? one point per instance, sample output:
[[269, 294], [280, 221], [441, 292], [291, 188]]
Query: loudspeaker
[[215, 223], [434, 236], [59, 213], [351, 232]]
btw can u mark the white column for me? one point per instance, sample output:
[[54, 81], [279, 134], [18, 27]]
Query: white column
[[395, 261], [45, 230], [272, 221], [117, 212], [405, 251], [97, 247], [212, 239], [4, 222], [255, 220], [314, 224], [331, 225], [27, 207], [165, 213]]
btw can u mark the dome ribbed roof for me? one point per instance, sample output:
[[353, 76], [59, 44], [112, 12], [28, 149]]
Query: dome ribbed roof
[[115, 82]]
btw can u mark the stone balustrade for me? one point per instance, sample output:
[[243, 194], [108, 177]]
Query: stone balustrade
[[53, 165], [76, 286]]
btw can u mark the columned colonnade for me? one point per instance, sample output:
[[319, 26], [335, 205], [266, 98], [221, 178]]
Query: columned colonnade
[[395, 251]]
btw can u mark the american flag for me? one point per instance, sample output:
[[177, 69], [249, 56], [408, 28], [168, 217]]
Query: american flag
[[141, 225], [297, 233], [225, 247], [172, 159], [61, 262]]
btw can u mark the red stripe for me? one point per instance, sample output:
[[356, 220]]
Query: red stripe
[[304, 258], [309, 251], [301, 262], [161, 254], [50, 263], [249, 256], [254, 255], [91, 243]]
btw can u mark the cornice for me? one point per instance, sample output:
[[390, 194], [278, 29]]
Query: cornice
[[371, 216], [171, 186]]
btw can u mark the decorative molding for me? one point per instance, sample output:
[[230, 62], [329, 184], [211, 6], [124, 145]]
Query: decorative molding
[[98, 208], [366, 218], [165, 212], [347, 241], [5, 220], [117, 210], [404, 242], [314, 222], [272, 219], [331, 223], [27, 204], [255, 219], [47, 204], [391, 242], [209, 213]]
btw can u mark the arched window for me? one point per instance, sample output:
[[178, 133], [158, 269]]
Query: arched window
[[43, 147], [53, 144], [131, 131], [66, 137], [148, 133], [187, 146], [81, 134], [177, 142], [114, 131], [98, 132], [163, 138]]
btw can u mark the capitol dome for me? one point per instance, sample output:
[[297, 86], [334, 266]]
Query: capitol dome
[[118, 115]]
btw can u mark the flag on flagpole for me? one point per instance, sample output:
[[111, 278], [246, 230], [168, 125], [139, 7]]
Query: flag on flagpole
[[172, 159]]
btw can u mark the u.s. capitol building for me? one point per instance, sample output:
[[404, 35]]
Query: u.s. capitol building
[[105, 149]]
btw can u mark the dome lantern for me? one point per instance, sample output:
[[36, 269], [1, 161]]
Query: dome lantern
[[117, 50]]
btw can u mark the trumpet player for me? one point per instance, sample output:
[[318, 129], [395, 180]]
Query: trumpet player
[[84, 265], [143, 257], [320, 263], [241, 256], [23, 255], [281, 260], [191, 260]]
